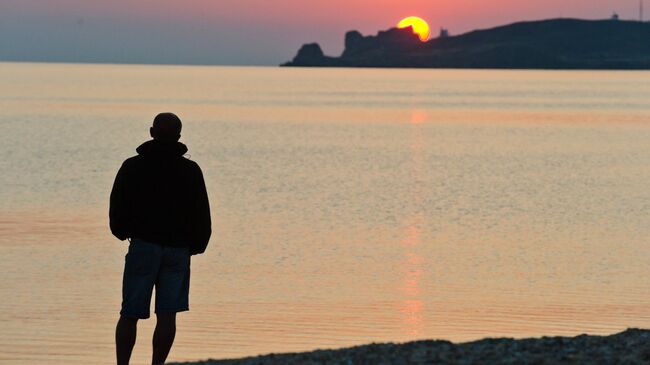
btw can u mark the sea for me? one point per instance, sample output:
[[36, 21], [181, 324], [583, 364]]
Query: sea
[[349, 206]]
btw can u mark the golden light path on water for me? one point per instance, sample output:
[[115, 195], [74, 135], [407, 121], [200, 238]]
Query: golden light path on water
[[413, 270]]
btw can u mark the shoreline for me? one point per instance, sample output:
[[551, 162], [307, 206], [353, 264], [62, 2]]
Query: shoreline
[[629, 347]]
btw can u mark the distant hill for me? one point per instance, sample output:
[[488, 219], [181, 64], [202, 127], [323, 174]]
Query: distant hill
[[546, 44]]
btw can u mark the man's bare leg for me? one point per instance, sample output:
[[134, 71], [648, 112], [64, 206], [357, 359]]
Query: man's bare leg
[[163, 337], [125, 334]]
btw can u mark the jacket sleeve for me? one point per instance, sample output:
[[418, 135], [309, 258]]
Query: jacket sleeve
[[202, 220], [119, 214]]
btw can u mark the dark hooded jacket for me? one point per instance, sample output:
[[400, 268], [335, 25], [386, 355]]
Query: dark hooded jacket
[[159, 196]]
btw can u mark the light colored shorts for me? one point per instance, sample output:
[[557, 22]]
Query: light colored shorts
[[147, 265]]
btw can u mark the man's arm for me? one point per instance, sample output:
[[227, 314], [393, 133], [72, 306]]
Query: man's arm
[[119, 207], [202, 221]]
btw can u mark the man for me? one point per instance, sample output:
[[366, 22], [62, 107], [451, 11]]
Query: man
[[158, 202]]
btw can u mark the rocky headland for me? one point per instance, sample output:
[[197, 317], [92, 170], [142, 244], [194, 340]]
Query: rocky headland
[[546, 44], [626, 348]]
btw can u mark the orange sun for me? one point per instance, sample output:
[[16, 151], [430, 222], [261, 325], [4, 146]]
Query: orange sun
[[420, 27]]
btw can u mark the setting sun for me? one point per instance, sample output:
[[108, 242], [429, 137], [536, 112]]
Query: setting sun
[[420, 27]]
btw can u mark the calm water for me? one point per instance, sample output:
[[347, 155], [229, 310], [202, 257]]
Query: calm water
[[350, 206]]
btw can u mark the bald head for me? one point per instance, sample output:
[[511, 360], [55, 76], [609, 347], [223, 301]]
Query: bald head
[[166, 127]]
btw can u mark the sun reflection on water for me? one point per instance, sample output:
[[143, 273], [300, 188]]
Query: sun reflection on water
[[412, 306]]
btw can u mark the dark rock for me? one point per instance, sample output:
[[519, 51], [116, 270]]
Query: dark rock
[[309, 54], [353, 40]]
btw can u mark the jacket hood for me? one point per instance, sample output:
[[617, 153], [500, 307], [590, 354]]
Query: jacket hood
[[159, 148]]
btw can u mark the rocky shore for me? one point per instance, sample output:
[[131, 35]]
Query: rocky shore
[[625, 348]]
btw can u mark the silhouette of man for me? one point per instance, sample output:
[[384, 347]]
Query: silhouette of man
[[158, 202]]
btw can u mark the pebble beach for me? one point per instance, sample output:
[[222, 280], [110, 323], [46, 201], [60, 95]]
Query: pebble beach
[[626, 348]]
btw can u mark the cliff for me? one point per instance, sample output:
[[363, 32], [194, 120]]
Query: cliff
[[547, 44]]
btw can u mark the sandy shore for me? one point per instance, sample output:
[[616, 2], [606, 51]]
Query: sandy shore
[[629, 347]]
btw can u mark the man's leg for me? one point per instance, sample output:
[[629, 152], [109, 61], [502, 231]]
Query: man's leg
[[172, 296], [125, 334], [140, 271], [163, 337]]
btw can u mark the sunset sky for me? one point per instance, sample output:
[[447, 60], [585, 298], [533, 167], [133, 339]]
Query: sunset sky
[[246, 32]]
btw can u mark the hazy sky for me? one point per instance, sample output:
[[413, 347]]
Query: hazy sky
[[247, 32]]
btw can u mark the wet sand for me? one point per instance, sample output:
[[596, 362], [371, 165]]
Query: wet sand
[[629, 347]]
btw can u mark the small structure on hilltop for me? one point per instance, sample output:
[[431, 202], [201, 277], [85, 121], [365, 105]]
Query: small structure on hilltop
[[641, 11], [444, 33], [614, 17]]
